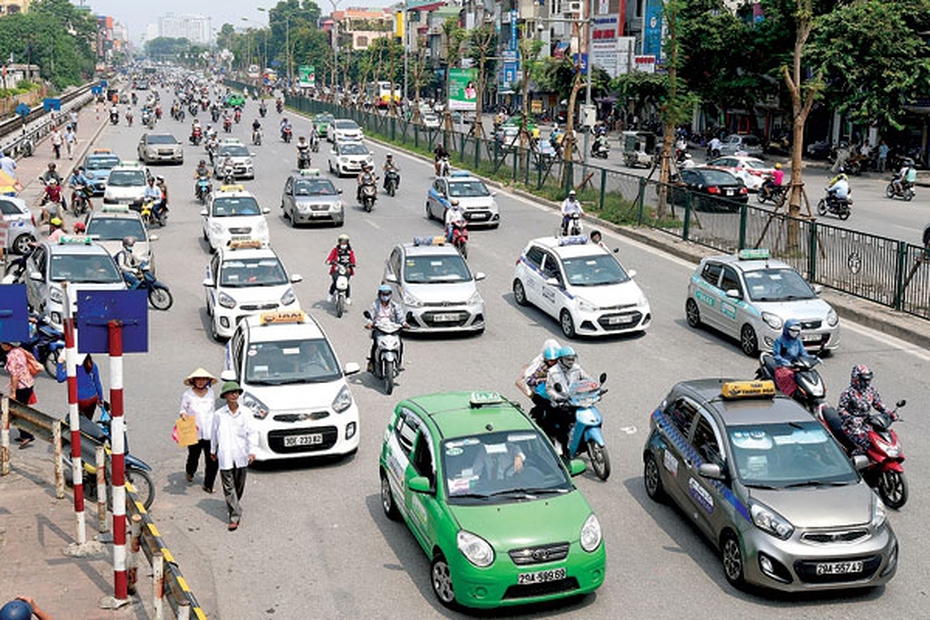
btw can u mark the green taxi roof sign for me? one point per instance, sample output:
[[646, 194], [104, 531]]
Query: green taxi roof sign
[[480, 399], [753, 254]]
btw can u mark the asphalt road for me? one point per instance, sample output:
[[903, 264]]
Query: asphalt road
[[313, 538]]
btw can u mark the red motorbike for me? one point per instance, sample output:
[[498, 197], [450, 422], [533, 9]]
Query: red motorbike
[[885, 472], [227, 125], [196, 136], [237, 116]]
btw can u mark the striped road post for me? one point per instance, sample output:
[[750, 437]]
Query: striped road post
[[118, 442], [74, 419]]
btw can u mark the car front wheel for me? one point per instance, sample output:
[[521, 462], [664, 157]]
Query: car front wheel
[[567, 324], [732, 557], [441, 580], [519, 293]]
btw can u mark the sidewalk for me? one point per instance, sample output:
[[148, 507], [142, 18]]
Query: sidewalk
[[35, 528]]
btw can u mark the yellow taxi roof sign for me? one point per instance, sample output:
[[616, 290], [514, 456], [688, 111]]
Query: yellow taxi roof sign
[[232, 188], [747, 389], [283, 316], [100, 150], [245, 244], [116, 208]]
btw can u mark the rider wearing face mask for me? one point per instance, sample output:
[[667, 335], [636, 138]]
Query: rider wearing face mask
[[788, 349], [565, 373], [383, 308], [856, 403], [342, 254]]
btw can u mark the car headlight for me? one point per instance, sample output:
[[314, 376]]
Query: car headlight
[[475, 299], [591, 534], [475, 549], [54, 293], [772, 320], [225, 300], [878, 512], [337, 206], [343, 160], [832, 318], [259, 409], [343, 400], [584, 305], [770, 521], [288, 298], [411, 301], [262, 227], [216, 228]]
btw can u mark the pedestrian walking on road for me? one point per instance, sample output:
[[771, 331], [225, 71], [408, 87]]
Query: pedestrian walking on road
[[73, 120], [8, 164], [21, 383], [233, 445], [70, 141], [56, 141], [882, 155], [198, 402]]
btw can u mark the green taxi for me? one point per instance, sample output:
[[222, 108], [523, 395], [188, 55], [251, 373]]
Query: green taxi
[[235, 100], [322, 122], [489, 501]]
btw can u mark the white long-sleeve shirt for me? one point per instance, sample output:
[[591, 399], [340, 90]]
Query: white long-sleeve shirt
[[234, 437], [201, 407]]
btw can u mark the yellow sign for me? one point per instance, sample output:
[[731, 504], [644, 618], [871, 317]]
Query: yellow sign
[[291, 316], [747, 389], [536, 106], [232, 188], [399, 25], [251, 244]]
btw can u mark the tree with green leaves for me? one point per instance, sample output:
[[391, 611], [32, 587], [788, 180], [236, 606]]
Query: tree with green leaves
[[454, 35], [530, 49]]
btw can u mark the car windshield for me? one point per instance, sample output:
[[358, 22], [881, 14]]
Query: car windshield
[[788, 454], [468, 189], [504, 466], [314, 187], [101, 163], [111, 228], [290, 361], [345, 125], [718, 177], [233, 150], [353, 148], [777, 285], [160, 139], [436, 269], [85, 268], [126, 178], [235, 205], [324, 119], [596, 270], [252, 272]]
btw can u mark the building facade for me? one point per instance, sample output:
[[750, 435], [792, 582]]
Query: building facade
[[195, 28]]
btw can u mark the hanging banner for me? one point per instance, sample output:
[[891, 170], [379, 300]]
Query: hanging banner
[[604, 44], [463, 94], [652, 28], [306, 76]]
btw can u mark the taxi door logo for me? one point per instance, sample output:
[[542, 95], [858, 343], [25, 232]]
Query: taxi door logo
[[700, 495]]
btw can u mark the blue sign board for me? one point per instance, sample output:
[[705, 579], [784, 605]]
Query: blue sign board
[[22, 109], [652, 28], [51, 104], [97, 308], [514, 16], [96, 90], [511, 68], [14, 313], [583, 64]]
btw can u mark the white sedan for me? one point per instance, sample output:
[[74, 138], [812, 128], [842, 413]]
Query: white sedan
[[752, 170]]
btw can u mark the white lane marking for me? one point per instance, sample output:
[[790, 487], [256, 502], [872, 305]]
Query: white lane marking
[[371, 223], [897, 343]]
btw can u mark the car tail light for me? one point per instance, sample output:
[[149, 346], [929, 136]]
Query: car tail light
[[713, 190], [743, 190]]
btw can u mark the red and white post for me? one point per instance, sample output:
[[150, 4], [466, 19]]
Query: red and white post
[[74, 419], [118, 443]]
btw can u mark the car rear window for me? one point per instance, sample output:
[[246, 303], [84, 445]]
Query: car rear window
[[719, 177], [161, 139]]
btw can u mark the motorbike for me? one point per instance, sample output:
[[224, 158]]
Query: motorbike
[[901, 189], [114, 118], [227, 125], [811, 390], [774, 194], [571, 225], [159, 295], [203, 188], [263, 110], [214, 114], [303, 159], [459, 238], [45, 342], [286, 134], [147, 212], [94, 433], [600, 148], [79, 202], [884, 471], [582, 399], [257, 137], [237, 116], [229, 175], [387, 351], [279, 106], [315, 143], [196, 136], [442, 167], [193, 109], [180, 116], [342, 286], [149, 121], [369, 195], [391, 180], [840, 207]]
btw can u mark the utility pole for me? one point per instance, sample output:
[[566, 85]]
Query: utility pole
[[588, 67]]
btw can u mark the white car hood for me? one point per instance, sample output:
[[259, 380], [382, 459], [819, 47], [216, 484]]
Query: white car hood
[[124, 192], [801, 309], [259, 294], [475, 202], [453, 292], [607, 296], [237, 221], [297, 397]]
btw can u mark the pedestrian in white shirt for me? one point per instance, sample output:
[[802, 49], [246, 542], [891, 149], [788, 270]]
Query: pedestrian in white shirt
[[199, 402], [70, 141], [73, 119], [233, 447]]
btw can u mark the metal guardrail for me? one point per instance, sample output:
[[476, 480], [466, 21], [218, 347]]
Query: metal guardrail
[[890, 272], [24, 143]]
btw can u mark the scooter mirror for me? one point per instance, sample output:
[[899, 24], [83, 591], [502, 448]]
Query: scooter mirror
[[366, 314], [558, 388], [860, 462], [900, 403], [603, 377]]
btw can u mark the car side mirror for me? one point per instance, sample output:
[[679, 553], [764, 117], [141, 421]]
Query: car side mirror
[[296, 277], [351, 368], [733, 293], [712, 471], [208, 282], [818, 289], [35, 275], [153, 237], [631, 272], [552, 281], [203, 213], [266, 210], [480, 276], [576, 467], [390, 277], [860, 462], [420, 484]]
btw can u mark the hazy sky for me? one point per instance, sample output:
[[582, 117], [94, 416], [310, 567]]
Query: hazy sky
[[136, 14]]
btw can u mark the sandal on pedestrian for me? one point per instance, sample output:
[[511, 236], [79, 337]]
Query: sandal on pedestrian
[[25, 442], [233, 526], [190, 477], [207, 490]]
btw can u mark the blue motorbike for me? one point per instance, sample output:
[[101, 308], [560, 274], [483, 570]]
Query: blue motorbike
[[46, 343], [203, 189], [159, 295], [581, 400]]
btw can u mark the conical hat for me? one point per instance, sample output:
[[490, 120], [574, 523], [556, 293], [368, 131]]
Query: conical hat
[[200, 372]]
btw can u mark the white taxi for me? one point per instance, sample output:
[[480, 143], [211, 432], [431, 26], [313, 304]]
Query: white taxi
[[582, 285], [126, 185], [243, 279], [294, 386], [233, 214]]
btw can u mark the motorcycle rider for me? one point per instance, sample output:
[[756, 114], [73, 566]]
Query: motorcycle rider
[[906, 177], [384, 308], [129, 116], [303, 153], [262, 108], [227, 122], [570, 207], [390, 167], [365, 177], [256, 131], [454, 217], [786, 350], [211, 146], [565, 373], [228, 168], [341, 254], [53, 201], [196, 132], [114, 114], [153, 193], [856, 402], [128, 263], [600, 144], [79, 182], [532, 380], [285, 125], [438, 155], [314, 138], [686, 162], [838, 190], [51, 173], [773, 182]]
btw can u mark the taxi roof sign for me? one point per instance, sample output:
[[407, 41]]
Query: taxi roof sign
[[245, 244], [747, 389], [573, 240], [310, 172], [289, 316], [460, 173], [115, 209], [75, 240], [429, 240], [480, 399], [232, 188], [753, 254], [99, 151]]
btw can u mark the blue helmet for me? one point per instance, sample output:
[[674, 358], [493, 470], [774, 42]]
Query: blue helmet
[[551, 354], [384, 289], [567, 357], [16, 610]]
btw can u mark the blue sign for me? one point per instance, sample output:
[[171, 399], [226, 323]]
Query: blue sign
[[275, 63], [22, 109], [511, 68], [583, 64], [97, 308], [96, 90], [104, 83], [514, 16], [14, 313], [652, 29], [51, 104]]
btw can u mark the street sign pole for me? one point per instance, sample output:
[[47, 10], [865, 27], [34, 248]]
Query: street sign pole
[[74, 419], [118, 443]]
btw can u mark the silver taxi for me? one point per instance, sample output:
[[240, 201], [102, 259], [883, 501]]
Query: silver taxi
[[477, 203], [311, 198]]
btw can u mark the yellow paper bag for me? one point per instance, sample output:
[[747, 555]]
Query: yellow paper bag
[[186, 430]]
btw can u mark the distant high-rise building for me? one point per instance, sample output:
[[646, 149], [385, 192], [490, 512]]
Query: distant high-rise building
[[194, 28]]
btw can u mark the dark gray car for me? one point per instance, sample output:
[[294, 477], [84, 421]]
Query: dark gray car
[[310, 197]]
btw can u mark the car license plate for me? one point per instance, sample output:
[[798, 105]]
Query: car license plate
[[445, 318], [616, 320], [479, 216], [810, 337], [729, 192], [541, 576], [318, 214], [839, 568], [303, 440]]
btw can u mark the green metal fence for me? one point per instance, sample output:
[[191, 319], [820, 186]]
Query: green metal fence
[[887, 271]]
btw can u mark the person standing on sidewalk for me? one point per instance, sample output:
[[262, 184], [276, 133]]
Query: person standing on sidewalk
[[70, 141], [233, 447], [73, 119], [21, 383], [8, 164], [199, 401], [56, 141]]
